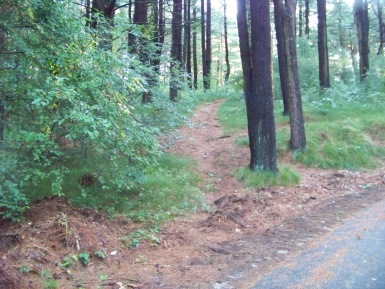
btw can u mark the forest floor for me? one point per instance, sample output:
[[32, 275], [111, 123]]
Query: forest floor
[[246, 234]]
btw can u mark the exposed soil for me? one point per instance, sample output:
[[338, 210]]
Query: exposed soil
[[247, 233]]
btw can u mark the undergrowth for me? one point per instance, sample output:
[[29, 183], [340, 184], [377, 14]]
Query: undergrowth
[[344, 126], [260, 179], [169, 189]]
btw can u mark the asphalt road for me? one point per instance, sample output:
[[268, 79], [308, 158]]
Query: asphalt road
[[351, 257]]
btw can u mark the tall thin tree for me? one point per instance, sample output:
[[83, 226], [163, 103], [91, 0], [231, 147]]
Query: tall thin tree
[[206, 42], [281, 49], [159, 33], [297, 127], [227, 74], [176, 49], [361, 19], [203, 42], [194, 52], [381, 25], [207, 77], [188, 32], [300, 18], [307, 16], [323, 54]]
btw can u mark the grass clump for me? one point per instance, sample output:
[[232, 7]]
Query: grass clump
[[232, 115], [339, 147], [242, 141], [260, 179], [171, 190]]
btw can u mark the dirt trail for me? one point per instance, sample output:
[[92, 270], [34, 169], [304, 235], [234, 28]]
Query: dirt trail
[[247, 233]]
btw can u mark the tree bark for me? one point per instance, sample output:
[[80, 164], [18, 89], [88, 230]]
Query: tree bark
[[281, 49], [195, 57], [207, 77], [257, 76], [184, 46], [159, 33], [188, 62], [300, 18], [227, 74], [307, 14], [206, 42], [361, 18], [381, 26], [203, 42], [187, 40], [323, 54], [88, 13], [130, 10], [297, 128], [3, 98], [176, 49]]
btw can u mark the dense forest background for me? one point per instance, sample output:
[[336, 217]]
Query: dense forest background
[[88, 89]]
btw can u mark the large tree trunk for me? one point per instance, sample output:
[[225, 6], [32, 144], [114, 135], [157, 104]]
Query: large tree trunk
[[323, 55], [176, 49], [195, 57], [257, 76], [227, 74], [297, 128], [362, 23], [282, 61]]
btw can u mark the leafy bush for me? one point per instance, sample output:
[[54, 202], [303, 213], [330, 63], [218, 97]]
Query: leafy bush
[[66, 101]]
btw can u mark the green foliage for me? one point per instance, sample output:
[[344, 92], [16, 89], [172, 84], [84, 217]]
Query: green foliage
[[67, 102], [84, 258], [232, 114], [344, 124], [261, 179], [307, 63], [242, 141], [169, 191], [134, 239], [48, 282], [13, 203], [333, 146], [66, 262], [100, 254], [24, 269]]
